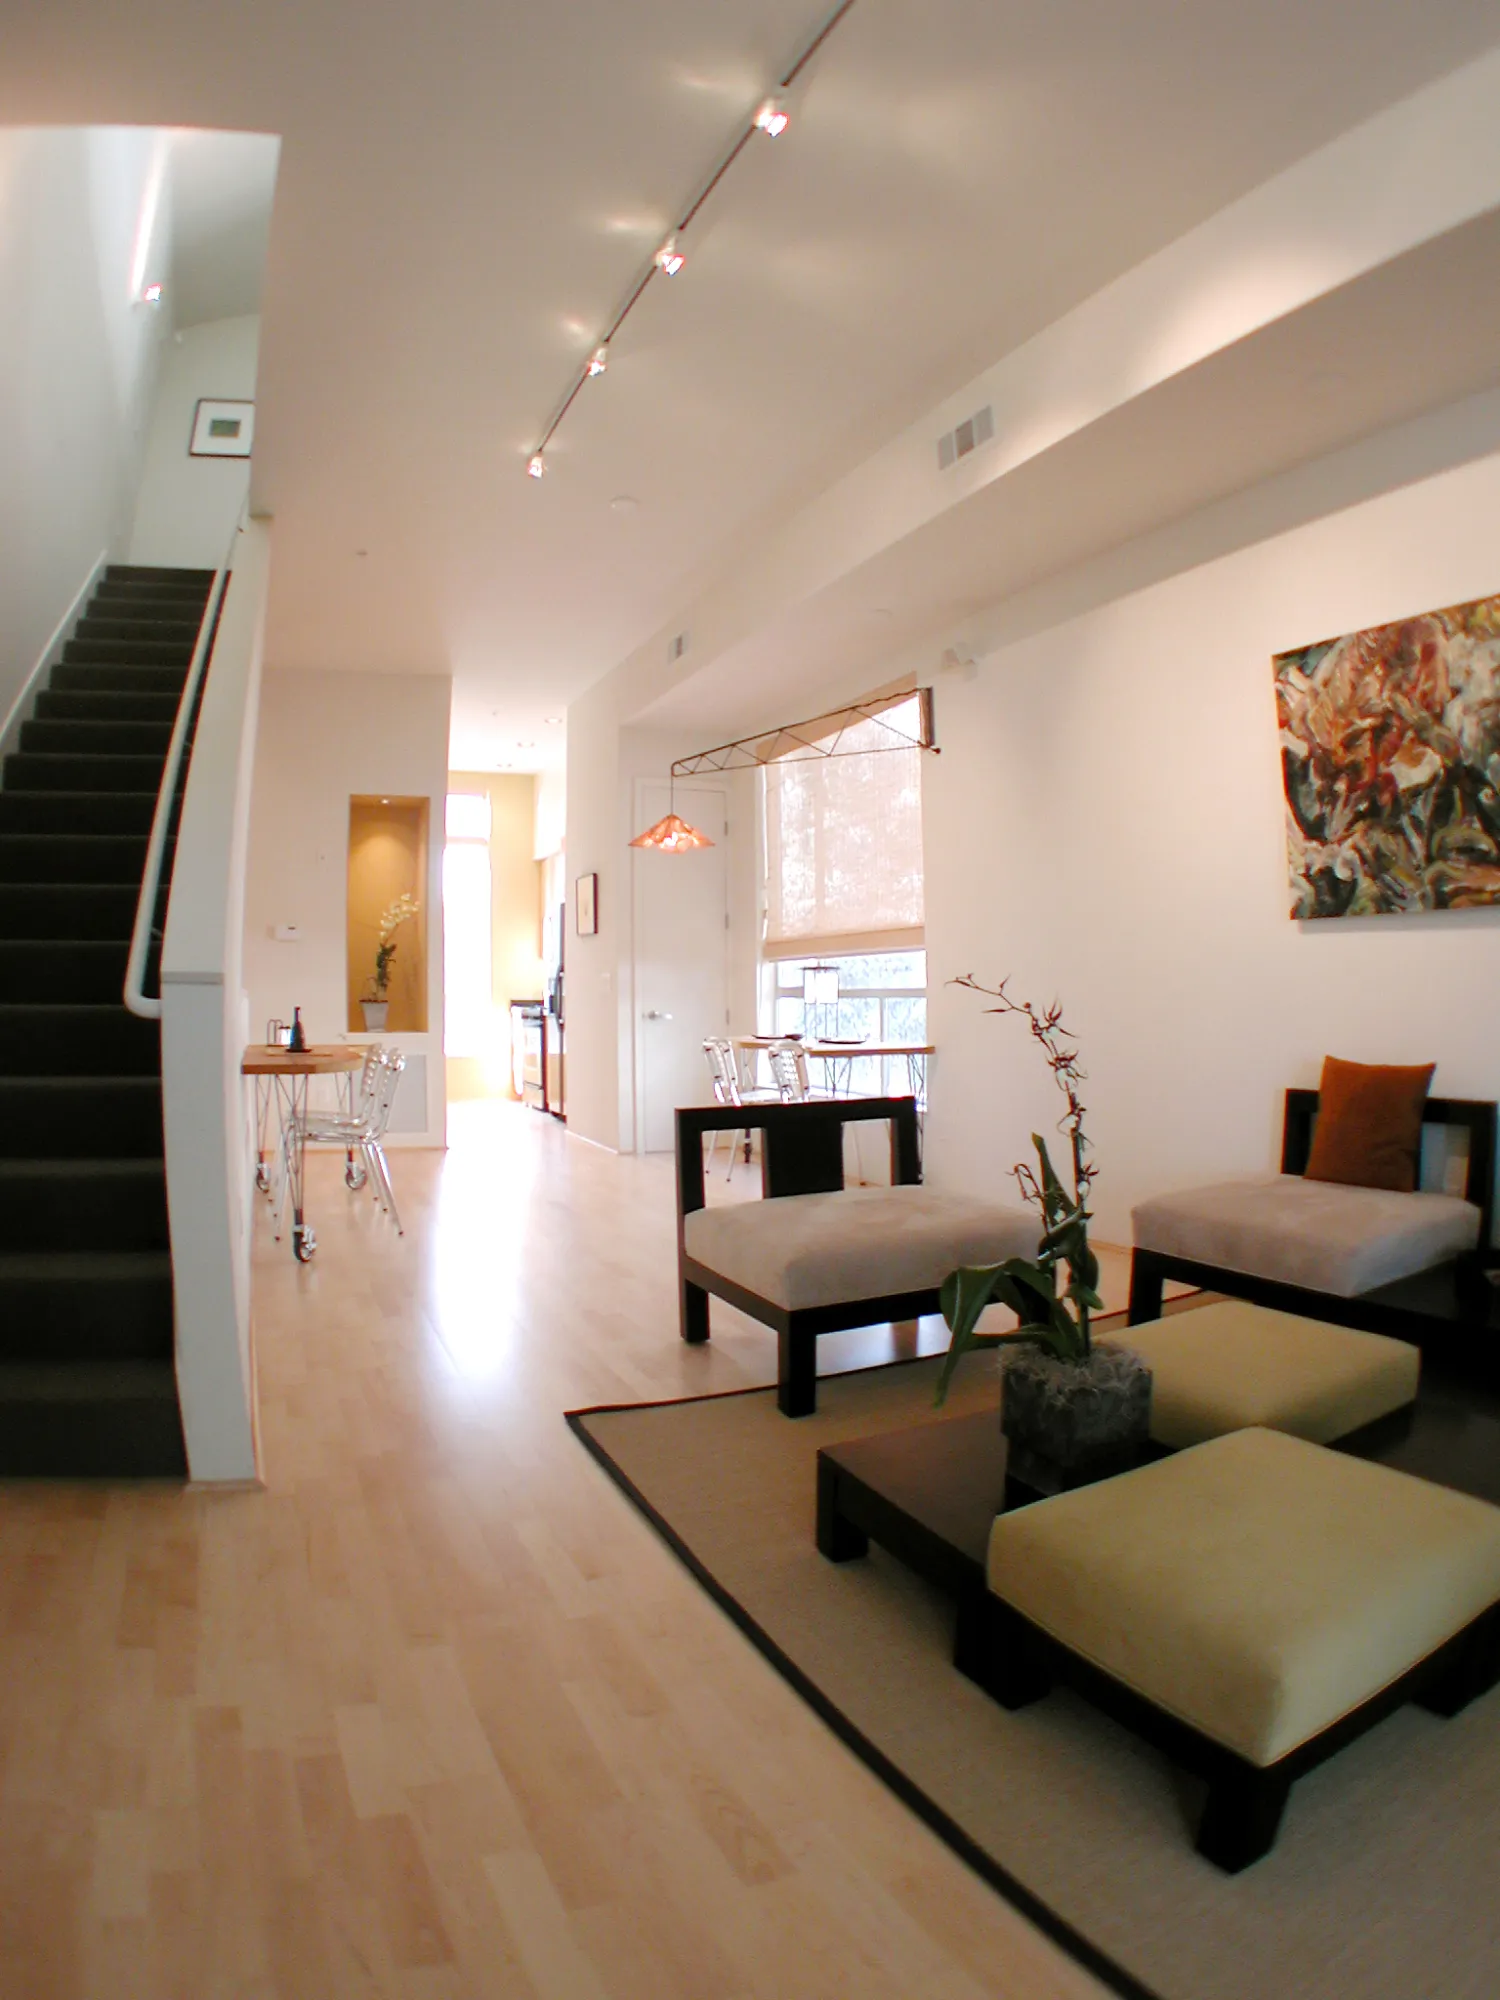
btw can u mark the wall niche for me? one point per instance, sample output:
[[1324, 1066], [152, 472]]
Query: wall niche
[[388, 860]]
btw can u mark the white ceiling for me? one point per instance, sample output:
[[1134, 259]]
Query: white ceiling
[[465, 194]]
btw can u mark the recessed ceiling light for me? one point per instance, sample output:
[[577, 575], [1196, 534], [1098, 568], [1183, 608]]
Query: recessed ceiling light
[[624, 503], [552, 718], [536, 465], [669, 260], [599, 359], [773, 117]]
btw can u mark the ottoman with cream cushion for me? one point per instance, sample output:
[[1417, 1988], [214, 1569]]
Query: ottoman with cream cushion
[[1315, 1235], [1228, 1366], [1250, 1604], [811, 1263]]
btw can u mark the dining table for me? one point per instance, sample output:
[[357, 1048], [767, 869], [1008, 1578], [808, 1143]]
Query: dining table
[[282, 1078], [839, 1057]]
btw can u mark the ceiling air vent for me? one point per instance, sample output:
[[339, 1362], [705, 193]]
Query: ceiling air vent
[[965, 437]]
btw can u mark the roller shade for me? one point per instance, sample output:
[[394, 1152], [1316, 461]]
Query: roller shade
[[844, 845]]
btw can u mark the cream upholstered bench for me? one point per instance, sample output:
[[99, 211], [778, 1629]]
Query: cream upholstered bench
[[1319, 1248], [1231, 1365], [816, 1256], [1249, 1605]]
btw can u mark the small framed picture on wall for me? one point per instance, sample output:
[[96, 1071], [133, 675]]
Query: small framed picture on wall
[[222, 429], [586, 905]]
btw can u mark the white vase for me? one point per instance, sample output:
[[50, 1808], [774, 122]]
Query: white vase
[[374, 1012]]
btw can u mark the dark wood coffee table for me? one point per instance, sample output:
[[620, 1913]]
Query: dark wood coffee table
[[929, 1496]]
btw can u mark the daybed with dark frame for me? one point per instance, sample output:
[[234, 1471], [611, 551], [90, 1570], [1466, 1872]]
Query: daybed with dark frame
[[1425, 1307]]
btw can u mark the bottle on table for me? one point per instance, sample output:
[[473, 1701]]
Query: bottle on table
[[299, 1039]]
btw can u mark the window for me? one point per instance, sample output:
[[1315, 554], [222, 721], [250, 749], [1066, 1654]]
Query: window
[[843, 843], [882, 997], [468, 1003]]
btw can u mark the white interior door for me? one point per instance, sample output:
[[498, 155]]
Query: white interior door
[[681, 960]]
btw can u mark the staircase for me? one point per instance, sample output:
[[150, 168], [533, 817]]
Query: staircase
[[87, 1382]]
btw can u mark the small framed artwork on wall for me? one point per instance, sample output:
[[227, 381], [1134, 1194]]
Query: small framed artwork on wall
[[221, 429], [586, 905]]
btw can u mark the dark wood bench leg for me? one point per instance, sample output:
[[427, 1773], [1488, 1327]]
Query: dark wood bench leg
[[838, 1539], [1016, 1668], [1146, 1278], [693, 1311], [796, 1372], [1243, 1814], [1470, 1668]]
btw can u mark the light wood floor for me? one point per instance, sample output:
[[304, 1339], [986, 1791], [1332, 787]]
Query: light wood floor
[[436, 1714]]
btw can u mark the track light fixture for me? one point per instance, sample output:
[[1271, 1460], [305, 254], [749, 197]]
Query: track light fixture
[[771, 116]]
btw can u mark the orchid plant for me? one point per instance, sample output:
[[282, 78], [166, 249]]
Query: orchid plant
[[402, 911], [1050, 1317]]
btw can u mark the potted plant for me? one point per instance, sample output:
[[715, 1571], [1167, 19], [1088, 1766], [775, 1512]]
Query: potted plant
[[1072, 1407], [375, 1001]]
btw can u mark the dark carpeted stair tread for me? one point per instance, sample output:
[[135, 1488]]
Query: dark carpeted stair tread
[[179, 631], [77, 812], [38, 771], [41, 1039], [49, 1115], [90, 1420], [126, 653], [90, 912], [71, 1204], [85, 1305], [71, 1381], [147, 600], [77, 857], [154, 573], [68, 968], [105, 705], [82, 736], [118, 677]]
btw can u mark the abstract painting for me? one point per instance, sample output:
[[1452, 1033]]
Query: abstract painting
[[1390, 753]]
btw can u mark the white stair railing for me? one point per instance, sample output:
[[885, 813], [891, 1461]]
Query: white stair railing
[[136, 997]]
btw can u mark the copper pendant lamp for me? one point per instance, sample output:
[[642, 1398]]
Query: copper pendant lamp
[[671, 835]]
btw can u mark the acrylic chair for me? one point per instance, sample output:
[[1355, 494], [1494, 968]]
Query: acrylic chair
[[789, 1071], [362, 1134], [729, 1088]]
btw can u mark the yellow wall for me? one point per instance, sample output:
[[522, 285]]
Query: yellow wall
[[515, 921], [387, 859]]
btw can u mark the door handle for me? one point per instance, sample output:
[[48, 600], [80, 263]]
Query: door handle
[[655, 1014]]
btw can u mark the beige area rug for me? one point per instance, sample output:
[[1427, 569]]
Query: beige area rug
[[1382, 1885]]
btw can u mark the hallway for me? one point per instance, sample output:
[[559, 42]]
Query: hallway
[[436, 1714]]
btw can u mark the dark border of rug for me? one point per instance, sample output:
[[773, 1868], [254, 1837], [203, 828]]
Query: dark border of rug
[[1078, 1947]]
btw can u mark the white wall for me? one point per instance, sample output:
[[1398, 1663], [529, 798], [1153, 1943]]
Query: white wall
[[203, 1033], [1105, 824], [324, 738], [187, 507], [81, 228]]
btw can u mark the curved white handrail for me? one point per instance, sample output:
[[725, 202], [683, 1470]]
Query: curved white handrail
[[135, 996]]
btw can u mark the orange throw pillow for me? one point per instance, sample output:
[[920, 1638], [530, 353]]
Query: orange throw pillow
[[1369, 1130]]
